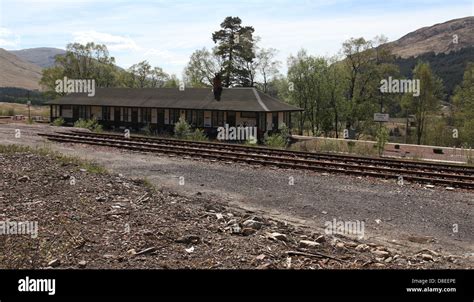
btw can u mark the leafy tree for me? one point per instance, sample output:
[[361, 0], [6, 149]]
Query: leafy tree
[[202, 67], [158, 77], [463, 101], [367, 62], [306, 76], [336, 86], [172, 82], [358, 61], [140, 73], [89, 61], [267, 66], [428, 102]]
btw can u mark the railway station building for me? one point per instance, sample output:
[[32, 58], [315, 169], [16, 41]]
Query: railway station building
[[160, 108]]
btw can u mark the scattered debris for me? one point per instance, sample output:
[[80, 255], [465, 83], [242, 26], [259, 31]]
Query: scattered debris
[[308, 244], [427, 257], [108, 221], [146, 251], [188, 239], [276, 236], [54, 263], [380, 253], [23, 178], [252, 224]]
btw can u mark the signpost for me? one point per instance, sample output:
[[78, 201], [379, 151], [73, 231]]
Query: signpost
[[381, 117], [29, 111]]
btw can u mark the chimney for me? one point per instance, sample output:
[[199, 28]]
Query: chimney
[[217, 87]]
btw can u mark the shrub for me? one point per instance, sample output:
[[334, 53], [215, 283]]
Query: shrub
[[197, 135], [182, 130], [58, 122], [382, 138], [280, 139], [147, 130], [350, 146], [92, 125], [275, 140], [251, 142]]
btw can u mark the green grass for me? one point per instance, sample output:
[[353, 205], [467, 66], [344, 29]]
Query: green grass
[[148, 184]]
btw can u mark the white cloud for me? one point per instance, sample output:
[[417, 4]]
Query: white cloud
[[113, 42], [170, 57], [8, 39]]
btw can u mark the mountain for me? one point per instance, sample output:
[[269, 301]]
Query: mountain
[[449, 67], [44, 57], [15, 72], [435, 45], [439, 38]]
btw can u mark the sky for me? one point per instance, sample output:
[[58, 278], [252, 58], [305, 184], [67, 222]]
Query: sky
[[167, 32]]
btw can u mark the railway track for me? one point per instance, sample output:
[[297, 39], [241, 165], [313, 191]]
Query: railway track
[[440, 174], [462, 169]]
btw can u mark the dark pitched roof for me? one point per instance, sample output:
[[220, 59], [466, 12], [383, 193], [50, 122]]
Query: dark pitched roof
[[233, 99]]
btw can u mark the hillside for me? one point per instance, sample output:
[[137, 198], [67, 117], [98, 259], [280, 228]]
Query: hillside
[[434, 44], [15, 72], [44, 57], [438, 38], [449, 67]]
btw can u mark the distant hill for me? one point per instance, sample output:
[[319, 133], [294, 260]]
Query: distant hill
[[438, 39], [15, 72], [435, 45], [44, 57], [449, 67]]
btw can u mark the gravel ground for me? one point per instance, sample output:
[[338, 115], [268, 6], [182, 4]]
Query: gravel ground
[[409, 219]]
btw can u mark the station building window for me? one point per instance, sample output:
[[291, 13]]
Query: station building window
[[146, 115], [248, 114], [200, 118], [217, 118], [105, 113], [125, 114], [174, 116]]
